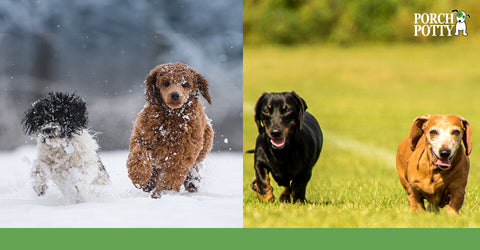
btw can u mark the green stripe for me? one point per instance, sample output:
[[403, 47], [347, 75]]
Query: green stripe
[[235, 238]]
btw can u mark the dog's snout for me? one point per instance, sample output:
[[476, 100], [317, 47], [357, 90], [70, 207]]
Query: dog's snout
[[444, 152], [175, 96], [275, 133]]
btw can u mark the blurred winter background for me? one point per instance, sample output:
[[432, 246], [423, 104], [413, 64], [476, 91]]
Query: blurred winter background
[[103, 50]]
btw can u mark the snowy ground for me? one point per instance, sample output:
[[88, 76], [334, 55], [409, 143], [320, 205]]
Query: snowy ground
[[217, 204]]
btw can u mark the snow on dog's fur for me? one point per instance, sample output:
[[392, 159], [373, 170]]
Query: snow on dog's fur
[[172, 135], [66, 151]]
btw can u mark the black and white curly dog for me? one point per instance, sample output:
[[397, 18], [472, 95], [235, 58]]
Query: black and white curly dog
[[66, 151]]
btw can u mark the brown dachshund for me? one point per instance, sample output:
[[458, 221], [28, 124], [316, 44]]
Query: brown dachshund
[[432, 163]]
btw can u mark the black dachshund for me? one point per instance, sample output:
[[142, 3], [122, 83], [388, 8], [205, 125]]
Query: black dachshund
[[288, 146]]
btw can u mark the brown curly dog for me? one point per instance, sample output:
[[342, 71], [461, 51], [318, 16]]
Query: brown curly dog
[[172, 135]]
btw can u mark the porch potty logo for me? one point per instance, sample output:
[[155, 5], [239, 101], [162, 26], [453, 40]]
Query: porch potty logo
[[441, 24]]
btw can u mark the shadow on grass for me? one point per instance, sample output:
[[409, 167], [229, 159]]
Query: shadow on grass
[[325, 203], [299, 204]]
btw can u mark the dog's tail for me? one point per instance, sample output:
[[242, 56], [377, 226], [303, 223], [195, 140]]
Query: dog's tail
[[251, 151]]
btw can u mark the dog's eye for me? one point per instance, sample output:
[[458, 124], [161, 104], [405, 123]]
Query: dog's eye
[[185, 84], [456, 132], [433, 132], [166, 84]]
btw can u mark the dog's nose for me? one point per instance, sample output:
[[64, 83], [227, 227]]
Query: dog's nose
[[175, 96], [444, 152], [275, 133]]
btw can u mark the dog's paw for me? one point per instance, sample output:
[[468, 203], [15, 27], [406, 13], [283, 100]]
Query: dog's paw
[[301, 200], [253, 186], [156, 195], [191, 187], [268, 197], [451, 211], [286, 195], [285, 198], [192, 182], [40, 190], [147, 188], [152, 182]]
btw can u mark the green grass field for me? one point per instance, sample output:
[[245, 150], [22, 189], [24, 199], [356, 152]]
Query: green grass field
[[365, 99]]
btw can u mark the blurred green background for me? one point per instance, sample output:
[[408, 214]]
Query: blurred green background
[[344, 22], [365, 78]]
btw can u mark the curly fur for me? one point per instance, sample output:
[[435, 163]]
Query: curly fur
[[66, 151], [68, 112], [170, 137]]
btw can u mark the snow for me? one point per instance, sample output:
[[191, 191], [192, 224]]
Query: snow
[[217, 204]]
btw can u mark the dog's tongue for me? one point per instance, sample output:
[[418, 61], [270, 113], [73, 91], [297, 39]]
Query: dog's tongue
[[278, 142], [443, 163]]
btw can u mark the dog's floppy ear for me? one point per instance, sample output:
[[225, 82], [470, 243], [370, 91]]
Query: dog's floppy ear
[[416, 131], [30, 124], [152, 93], [202, 85], [302, 107], [258, 111], [467, 136]]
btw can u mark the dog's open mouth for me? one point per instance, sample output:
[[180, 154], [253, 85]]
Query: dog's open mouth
[[442, 163], [278, 143]]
